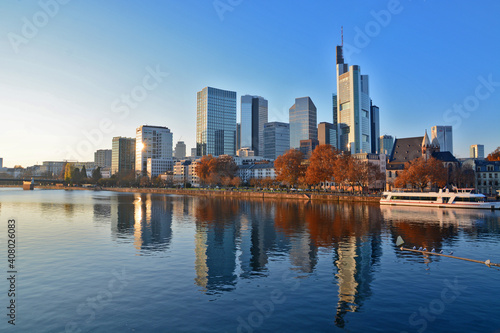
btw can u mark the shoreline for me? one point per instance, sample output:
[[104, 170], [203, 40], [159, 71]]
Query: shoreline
[[228, 194]]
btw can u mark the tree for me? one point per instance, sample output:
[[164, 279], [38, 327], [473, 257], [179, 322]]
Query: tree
[[289, 168], [96, 174], [68, 172], [322, 165], [420, 173], [494, 156], [463, 176], [217, 171], [341, 168], [83, 173], [203, 169]]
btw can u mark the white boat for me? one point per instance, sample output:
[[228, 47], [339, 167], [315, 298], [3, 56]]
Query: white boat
[[460, 198]]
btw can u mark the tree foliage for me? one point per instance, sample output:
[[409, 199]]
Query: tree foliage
[[217, 171], [322, 165], [494, 155], [289, 168], [420, 173]]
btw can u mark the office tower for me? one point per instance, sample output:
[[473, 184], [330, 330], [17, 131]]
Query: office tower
[[153, 142], [303, 125], [215, 122], [354, 108], [476, 151], [307, 147], [444, 136], [375, 129], [123, 155], [102, 158], [1, 163], [386, 144], [335, 119], [327, 134], [193, 152], [238, 136], [254, 111], [276, 139], [180, 150]]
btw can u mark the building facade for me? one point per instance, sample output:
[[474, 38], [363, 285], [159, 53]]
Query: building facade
[[354, 108], [487, 176], [122, 155], [152, 142], [477, 151], [375, 129], [386, 144], [307, 147], [444, 135], [254, 111], [327, 134], [276, 139], [303, 121], [256, 171], [180, 150], [102, 158], [215, 122]]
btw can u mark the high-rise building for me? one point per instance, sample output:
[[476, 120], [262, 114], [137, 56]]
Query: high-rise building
[[254, 110], [238, 136], [354, 108], [375, 129], [123, 155], [152, 142], [386, 144], [444, 136], [276, 139], [327, 134], [303, 124], [216, 122], [180, 150], [476, 151], [193, 152], [1, 163], [307, 147], [102, 158], [335, 119]]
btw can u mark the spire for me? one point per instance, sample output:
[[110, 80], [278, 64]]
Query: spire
[[426, 142]]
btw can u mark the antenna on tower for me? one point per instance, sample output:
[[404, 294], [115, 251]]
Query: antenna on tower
[[342, 34]]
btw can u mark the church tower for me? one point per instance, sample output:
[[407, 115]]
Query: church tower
[[429, 147]]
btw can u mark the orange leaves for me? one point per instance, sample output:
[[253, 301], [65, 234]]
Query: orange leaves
[[322, 165], [289, 168], [420, 173], [494, 156], [217, 171]]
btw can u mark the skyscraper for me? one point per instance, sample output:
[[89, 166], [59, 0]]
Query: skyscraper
[[375, 129], [327, 134], [254, 110], [153, 143], [122, 155], [477, 151], [102, 158], [180, 150], [303, 124], [386, 144], [276, 139], [215, 122], [354, 108], [444, 136]]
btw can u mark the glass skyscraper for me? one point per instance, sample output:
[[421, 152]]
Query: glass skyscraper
[[152, 142], [122, 155], [276, 139], [215, 122], [354, 111], [303, 123], [444, 135], [254, 110]]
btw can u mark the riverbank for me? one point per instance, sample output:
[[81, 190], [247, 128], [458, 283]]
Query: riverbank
[[335, 197]]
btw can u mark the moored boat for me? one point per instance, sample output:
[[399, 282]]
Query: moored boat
[[460, 198]]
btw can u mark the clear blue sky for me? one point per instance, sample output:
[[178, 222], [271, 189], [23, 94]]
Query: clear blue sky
[[63, 72]]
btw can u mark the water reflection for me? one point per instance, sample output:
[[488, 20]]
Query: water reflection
[[147, 217]]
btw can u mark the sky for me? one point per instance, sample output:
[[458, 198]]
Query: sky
[[75, 74]]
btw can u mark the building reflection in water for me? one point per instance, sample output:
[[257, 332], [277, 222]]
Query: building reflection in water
[[353, 231], [147, 217]]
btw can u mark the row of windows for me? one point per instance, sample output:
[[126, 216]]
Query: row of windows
[[403, 197], [485, 175]]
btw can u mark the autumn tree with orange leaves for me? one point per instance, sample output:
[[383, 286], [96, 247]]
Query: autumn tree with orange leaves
[[218, 171], [494, 155], [420, 173], [322, 165], [288, 168]]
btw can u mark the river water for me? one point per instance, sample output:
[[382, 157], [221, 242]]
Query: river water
[[95, 261]]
